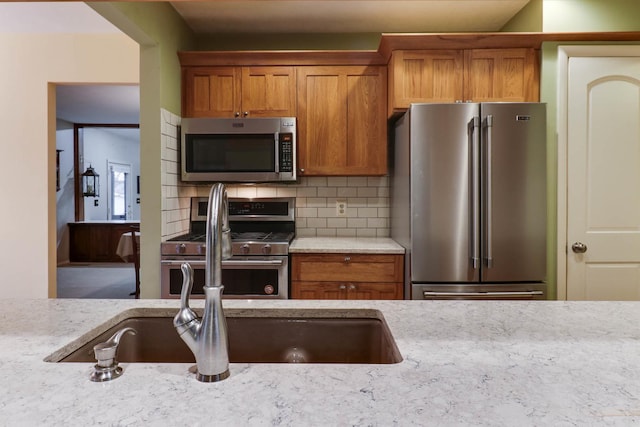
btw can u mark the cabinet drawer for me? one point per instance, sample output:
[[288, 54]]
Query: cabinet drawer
[[342, 290], [347, 268]]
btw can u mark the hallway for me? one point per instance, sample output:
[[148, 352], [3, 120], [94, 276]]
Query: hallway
[[98, 281]]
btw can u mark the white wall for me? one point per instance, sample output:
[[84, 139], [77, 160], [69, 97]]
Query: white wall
[[29, 66]]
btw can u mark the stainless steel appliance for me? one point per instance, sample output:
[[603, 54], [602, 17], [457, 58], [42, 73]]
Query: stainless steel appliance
[[238, 150], [469, 200], [261, 231]]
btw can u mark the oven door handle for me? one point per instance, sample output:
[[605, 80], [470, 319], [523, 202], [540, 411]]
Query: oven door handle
[[252, 263], [229, 263], [179, 262]]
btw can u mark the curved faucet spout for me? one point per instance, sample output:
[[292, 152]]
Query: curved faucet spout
[[207, 339], [218, 241]]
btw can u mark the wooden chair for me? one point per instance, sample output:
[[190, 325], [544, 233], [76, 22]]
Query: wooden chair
[[136, 258]]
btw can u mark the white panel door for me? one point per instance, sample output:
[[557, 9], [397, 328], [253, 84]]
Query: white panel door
[[603, 179]]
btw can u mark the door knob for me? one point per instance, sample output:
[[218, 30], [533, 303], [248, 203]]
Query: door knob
[[579, 247]]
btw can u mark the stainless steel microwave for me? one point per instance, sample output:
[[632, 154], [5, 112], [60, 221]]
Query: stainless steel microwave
[[238, 150]]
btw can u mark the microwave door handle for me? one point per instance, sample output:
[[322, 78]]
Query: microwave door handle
[[277, 151]]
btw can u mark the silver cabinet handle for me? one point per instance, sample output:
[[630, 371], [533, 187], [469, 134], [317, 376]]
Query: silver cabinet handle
[[343, 287], [579, 247], [347, 259]]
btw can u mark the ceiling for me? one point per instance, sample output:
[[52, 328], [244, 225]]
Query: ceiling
[[121, 104], [98, 104], [347, 16]]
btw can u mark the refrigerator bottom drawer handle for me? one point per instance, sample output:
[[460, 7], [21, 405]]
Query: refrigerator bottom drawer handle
[[428, 294]]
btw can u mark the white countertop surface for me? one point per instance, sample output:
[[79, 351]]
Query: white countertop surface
[[480, 363], [365, 245]]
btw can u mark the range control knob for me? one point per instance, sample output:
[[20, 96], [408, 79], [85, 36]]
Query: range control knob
[[244, 248], [181, 248], [269, 289], [266, 249]]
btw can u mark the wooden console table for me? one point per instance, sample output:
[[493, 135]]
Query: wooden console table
[[92, 241]]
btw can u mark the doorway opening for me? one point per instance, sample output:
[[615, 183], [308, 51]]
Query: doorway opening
[[119, 188], [89, 228]]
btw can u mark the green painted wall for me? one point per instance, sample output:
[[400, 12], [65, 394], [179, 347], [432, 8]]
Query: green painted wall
[[529, 19], [154, 24], [351, 41], [548, 95], [591, 15]]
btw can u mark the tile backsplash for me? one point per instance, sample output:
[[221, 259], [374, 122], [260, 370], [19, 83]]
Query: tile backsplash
[[367, 198]]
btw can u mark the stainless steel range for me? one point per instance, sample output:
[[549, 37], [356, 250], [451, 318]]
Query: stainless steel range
[[261, 231]]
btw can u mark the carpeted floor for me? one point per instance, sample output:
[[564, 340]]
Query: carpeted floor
[[110, 281]]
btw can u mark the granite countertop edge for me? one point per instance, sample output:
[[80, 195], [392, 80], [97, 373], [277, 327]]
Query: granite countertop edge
[[363, 245]]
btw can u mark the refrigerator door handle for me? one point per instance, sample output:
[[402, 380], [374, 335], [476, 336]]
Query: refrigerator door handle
[[488, 253], [474, 149], [483, 295]]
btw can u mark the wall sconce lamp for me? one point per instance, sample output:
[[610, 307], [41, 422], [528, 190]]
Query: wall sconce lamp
[[90, 183]]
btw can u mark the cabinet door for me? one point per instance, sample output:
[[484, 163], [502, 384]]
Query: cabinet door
[[389, 291], [268, 91], [425, 76], [342, 121], [509, 75], [211, 91], [341, 291], [318, 290], [80, 243]]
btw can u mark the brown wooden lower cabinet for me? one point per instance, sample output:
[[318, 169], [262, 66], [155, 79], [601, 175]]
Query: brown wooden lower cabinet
[[96, 242], [347, 276]]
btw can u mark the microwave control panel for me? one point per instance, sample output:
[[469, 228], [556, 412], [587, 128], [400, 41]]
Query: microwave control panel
[[286, 152]]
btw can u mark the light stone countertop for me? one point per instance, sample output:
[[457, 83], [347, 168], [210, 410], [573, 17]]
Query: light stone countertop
[[480, 363], [364, 245]]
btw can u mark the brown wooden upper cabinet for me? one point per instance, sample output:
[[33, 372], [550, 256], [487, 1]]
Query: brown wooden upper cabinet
[[342, 124], [476, 75], [239, 92]]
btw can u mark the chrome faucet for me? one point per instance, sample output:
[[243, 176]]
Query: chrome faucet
[[207, 339]]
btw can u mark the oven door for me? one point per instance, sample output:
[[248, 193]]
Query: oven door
[[242, 277]]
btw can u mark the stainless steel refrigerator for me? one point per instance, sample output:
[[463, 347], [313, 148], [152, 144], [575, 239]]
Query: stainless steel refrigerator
[[468, 191]]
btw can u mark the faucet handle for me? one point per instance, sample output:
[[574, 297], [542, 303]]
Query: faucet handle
[[185, 315], [226, 243]]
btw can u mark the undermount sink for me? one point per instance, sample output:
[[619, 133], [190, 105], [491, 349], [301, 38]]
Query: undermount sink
[[255, 336]]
